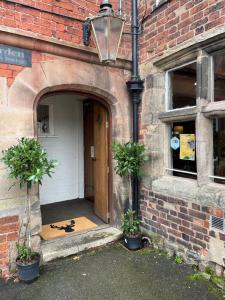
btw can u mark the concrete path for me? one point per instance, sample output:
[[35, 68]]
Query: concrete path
[[112, 273]]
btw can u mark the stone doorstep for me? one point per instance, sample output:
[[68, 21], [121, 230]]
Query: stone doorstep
[[77, 243]]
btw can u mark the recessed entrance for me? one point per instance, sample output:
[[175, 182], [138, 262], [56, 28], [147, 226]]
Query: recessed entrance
[[74, 131]]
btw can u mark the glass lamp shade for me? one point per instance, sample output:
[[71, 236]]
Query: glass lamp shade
[[107, 32]]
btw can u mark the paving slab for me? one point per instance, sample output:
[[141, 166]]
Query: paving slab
[[111, 273]]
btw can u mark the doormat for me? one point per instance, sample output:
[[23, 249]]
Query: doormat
[[64, 228]]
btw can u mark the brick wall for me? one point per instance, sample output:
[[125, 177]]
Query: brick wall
[[181, 222], [37, 17], [9, 227], [175, 22]]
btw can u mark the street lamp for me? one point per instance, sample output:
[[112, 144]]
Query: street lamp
[[107, 28]]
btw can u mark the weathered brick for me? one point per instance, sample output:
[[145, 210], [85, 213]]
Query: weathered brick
[[197, 214], [174, 219]]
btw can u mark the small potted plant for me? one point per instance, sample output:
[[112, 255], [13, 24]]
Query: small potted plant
[[129, 159], [27, 163], [131, 232]]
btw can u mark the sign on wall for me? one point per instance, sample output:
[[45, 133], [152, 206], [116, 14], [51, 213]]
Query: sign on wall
[[175, 143], [187, 146], [15, 56]]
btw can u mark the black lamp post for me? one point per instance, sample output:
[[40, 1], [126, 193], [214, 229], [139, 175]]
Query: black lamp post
[[107, 29]]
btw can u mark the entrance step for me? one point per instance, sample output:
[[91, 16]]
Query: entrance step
[[73, 244]]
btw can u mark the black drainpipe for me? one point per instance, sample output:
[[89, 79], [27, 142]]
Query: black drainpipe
[[135, 87]]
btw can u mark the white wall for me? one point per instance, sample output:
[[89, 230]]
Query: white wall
[[66, 146]]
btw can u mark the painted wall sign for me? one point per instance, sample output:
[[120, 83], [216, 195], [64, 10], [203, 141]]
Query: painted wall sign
[[15, 56], [175, 143], [187, 146]]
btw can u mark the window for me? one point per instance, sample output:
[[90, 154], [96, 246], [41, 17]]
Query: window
[[182, 87], [45, 119], [182, 145], [219, 149], [160, 2], [219, 76]]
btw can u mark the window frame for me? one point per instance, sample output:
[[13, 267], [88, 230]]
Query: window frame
[[168, 97], [51, 132]]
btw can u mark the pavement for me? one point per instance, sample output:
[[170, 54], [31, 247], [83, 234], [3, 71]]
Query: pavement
[[111, 273]]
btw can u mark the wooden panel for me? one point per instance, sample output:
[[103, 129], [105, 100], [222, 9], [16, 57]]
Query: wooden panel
[[101, 162], [88, 142]]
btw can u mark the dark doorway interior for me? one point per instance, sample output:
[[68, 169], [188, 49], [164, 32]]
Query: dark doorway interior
[[60, 211]]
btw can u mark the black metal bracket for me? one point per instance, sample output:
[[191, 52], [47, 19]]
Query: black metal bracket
[[135, 88], [86, 32]]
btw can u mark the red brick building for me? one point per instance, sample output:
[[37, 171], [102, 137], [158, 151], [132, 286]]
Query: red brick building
[[182, 60]]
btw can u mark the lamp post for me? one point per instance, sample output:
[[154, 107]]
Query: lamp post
[[107, 28]]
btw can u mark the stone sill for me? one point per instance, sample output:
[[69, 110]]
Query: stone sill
[[214, 109], [178, 114], [212, 194]]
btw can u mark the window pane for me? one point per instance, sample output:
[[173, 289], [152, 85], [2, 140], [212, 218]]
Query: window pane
[[219, 76], [182, 85], [219, 148], [43, 118], [183, 148]]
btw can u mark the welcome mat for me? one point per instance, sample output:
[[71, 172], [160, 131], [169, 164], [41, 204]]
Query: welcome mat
[[51, 232]]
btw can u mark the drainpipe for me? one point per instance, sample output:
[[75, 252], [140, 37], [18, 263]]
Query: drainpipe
[[135, 87]]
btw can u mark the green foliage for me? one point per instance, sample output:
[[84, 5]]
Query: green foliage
[[209, 271], [178, 260], [129, 157], [130, 223], [25, 254], [199, 276], [27, 162]]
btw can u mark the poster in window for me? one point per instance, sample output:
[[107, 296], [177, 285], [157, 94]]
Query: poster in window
[[187, 147]]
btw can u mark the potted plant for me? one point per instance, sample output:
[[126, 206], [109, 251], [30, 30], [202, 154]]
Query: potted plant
[[27, 163], [131, 232], [129, 159]]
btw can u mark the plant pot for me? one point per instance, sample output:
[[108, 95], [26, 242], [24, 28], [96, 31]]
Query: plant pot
[[132, 243], [28, 273]]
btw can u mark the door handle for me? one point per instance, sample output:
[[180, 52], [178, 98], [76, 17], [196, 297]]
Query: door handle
[[93, 153]]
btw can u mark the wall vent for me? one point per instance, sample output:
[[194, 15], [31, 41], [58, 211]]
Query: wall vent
[[217, 223]]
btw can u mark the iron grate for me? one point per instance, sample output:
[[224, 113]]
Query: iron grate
[[217, 223]]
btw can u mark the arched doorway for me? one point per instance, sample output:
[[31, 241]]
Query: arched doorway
[[74, 130]]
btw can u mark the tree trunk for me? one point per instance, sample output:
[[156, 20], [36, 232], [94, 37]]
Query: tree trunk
[[28, 215]]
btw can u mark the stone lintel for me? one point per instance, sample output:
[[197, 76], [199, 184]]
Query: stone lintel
[[20, 38]]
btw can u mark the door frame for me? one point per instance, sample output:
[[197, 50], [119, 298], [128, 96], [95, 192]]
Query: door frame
[[102, 101]]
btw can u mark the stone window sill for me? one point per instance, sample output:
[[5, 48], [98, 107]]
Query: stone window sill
[[178, 114], [214, 109], [212, 194]]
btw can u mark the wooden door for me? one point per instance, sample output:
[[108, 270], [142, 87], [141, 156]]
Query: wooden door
[[88, 145], [101, 162]]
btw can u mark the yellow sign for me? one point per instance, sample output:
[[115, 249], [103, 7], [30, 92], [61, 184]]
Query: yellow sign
[[187, 146]]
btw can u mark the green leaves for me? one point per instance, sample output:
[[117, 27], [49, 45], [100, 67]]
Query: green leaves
[[130, 157], [25, 254], [28, 162], [130, 223]]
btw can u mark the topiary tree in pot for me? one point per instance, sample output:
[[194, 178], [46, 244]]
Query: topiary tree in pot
[[129, 159], [27, 163]]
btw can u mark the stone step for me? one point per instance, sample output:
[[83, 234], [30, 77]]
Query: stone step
[[76, 243]]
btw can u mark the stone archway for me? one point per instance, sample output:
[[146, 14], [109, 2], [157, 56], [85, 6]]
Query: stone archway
[[102, 82]]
